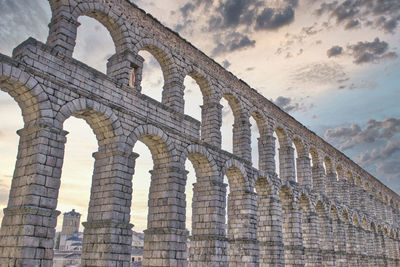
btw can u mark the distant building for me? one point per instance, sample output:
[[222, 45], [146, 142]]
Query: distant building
[[137, 249], [69, 250], [70, 229]]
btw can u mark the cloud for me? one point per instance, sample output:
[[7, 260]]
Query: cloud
[[226, 64], [380, 154], [367, 52], [383, 14], [319, 73], [349, 137], [288, 104], [272, 19], [187, 9], [232, 42], [335, 51], [21, 17]]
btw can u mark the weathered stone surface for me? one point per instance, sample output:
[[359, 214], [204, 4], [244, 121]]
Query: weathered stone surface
[[323, 209]]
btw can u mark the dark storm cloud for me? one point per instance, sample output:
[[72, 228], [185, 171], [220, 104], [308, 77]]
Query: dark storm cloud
[[352, 24], [187, 9], [272, 19], [334, 51], [383, 14], [232, 42], [348, 137]]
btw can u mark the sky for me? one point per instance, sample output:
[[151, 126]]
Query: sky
[[332, 65]]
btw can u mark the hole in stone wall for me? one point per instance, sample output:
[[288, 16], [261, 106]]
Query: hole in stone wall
[[191, 179], [152, 76], [276, 157], [141, 186], [11, 121], [226, 204], [227, 126], [193, 98], [76, 180], [94, 45], [296, 155], [255, 134]]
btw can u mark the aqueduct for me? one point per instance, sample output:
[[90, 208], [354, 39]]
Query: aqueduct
[[321, 210]]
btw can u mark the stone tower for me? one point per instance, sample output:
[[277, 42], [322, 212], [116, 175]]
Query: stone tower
[[70, 226]]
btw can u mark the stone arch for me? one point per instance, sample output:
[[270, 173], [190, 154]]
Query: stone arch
[[104, 123], [202, 80], [28, 93], [364, 223], [297, 141], [345, 216], [241, 132], [372, 227], [263, 186], [160, 145], [350, 177], [340, 172], [262, 127], [106, 14], [203, 162], [328, 165], [235, 105], [282, 135], [162, 54], [315, 159], [236, 173]]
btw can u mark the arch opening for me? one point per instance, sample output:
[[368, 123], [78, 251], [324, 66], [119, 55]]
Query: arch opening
[[255, 135], [11, 120], [94, 43], [152, 75], [227, 126], [76, 180], [193, 97]]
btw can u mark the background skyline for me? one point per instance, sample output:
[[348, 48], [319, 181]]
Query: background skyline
[[332, 65]]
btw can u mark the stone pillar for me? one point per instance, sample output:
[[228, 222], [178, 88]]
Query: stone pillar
[[331, 185], [318, 177], [339, 235], [119, 67], [208, 243], [361, 246], [343, 193], [377, 250], [62, 34], [166, 237], [326, 240], [312, 250], [28, 227], [354, 196], [242, 228], [292, 233], [211, 121], [351, 245], [363, 200], [107, 235], [304, 171], [286, 163], [241, 137], [270, 231], [172, 95], [266, 148]]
